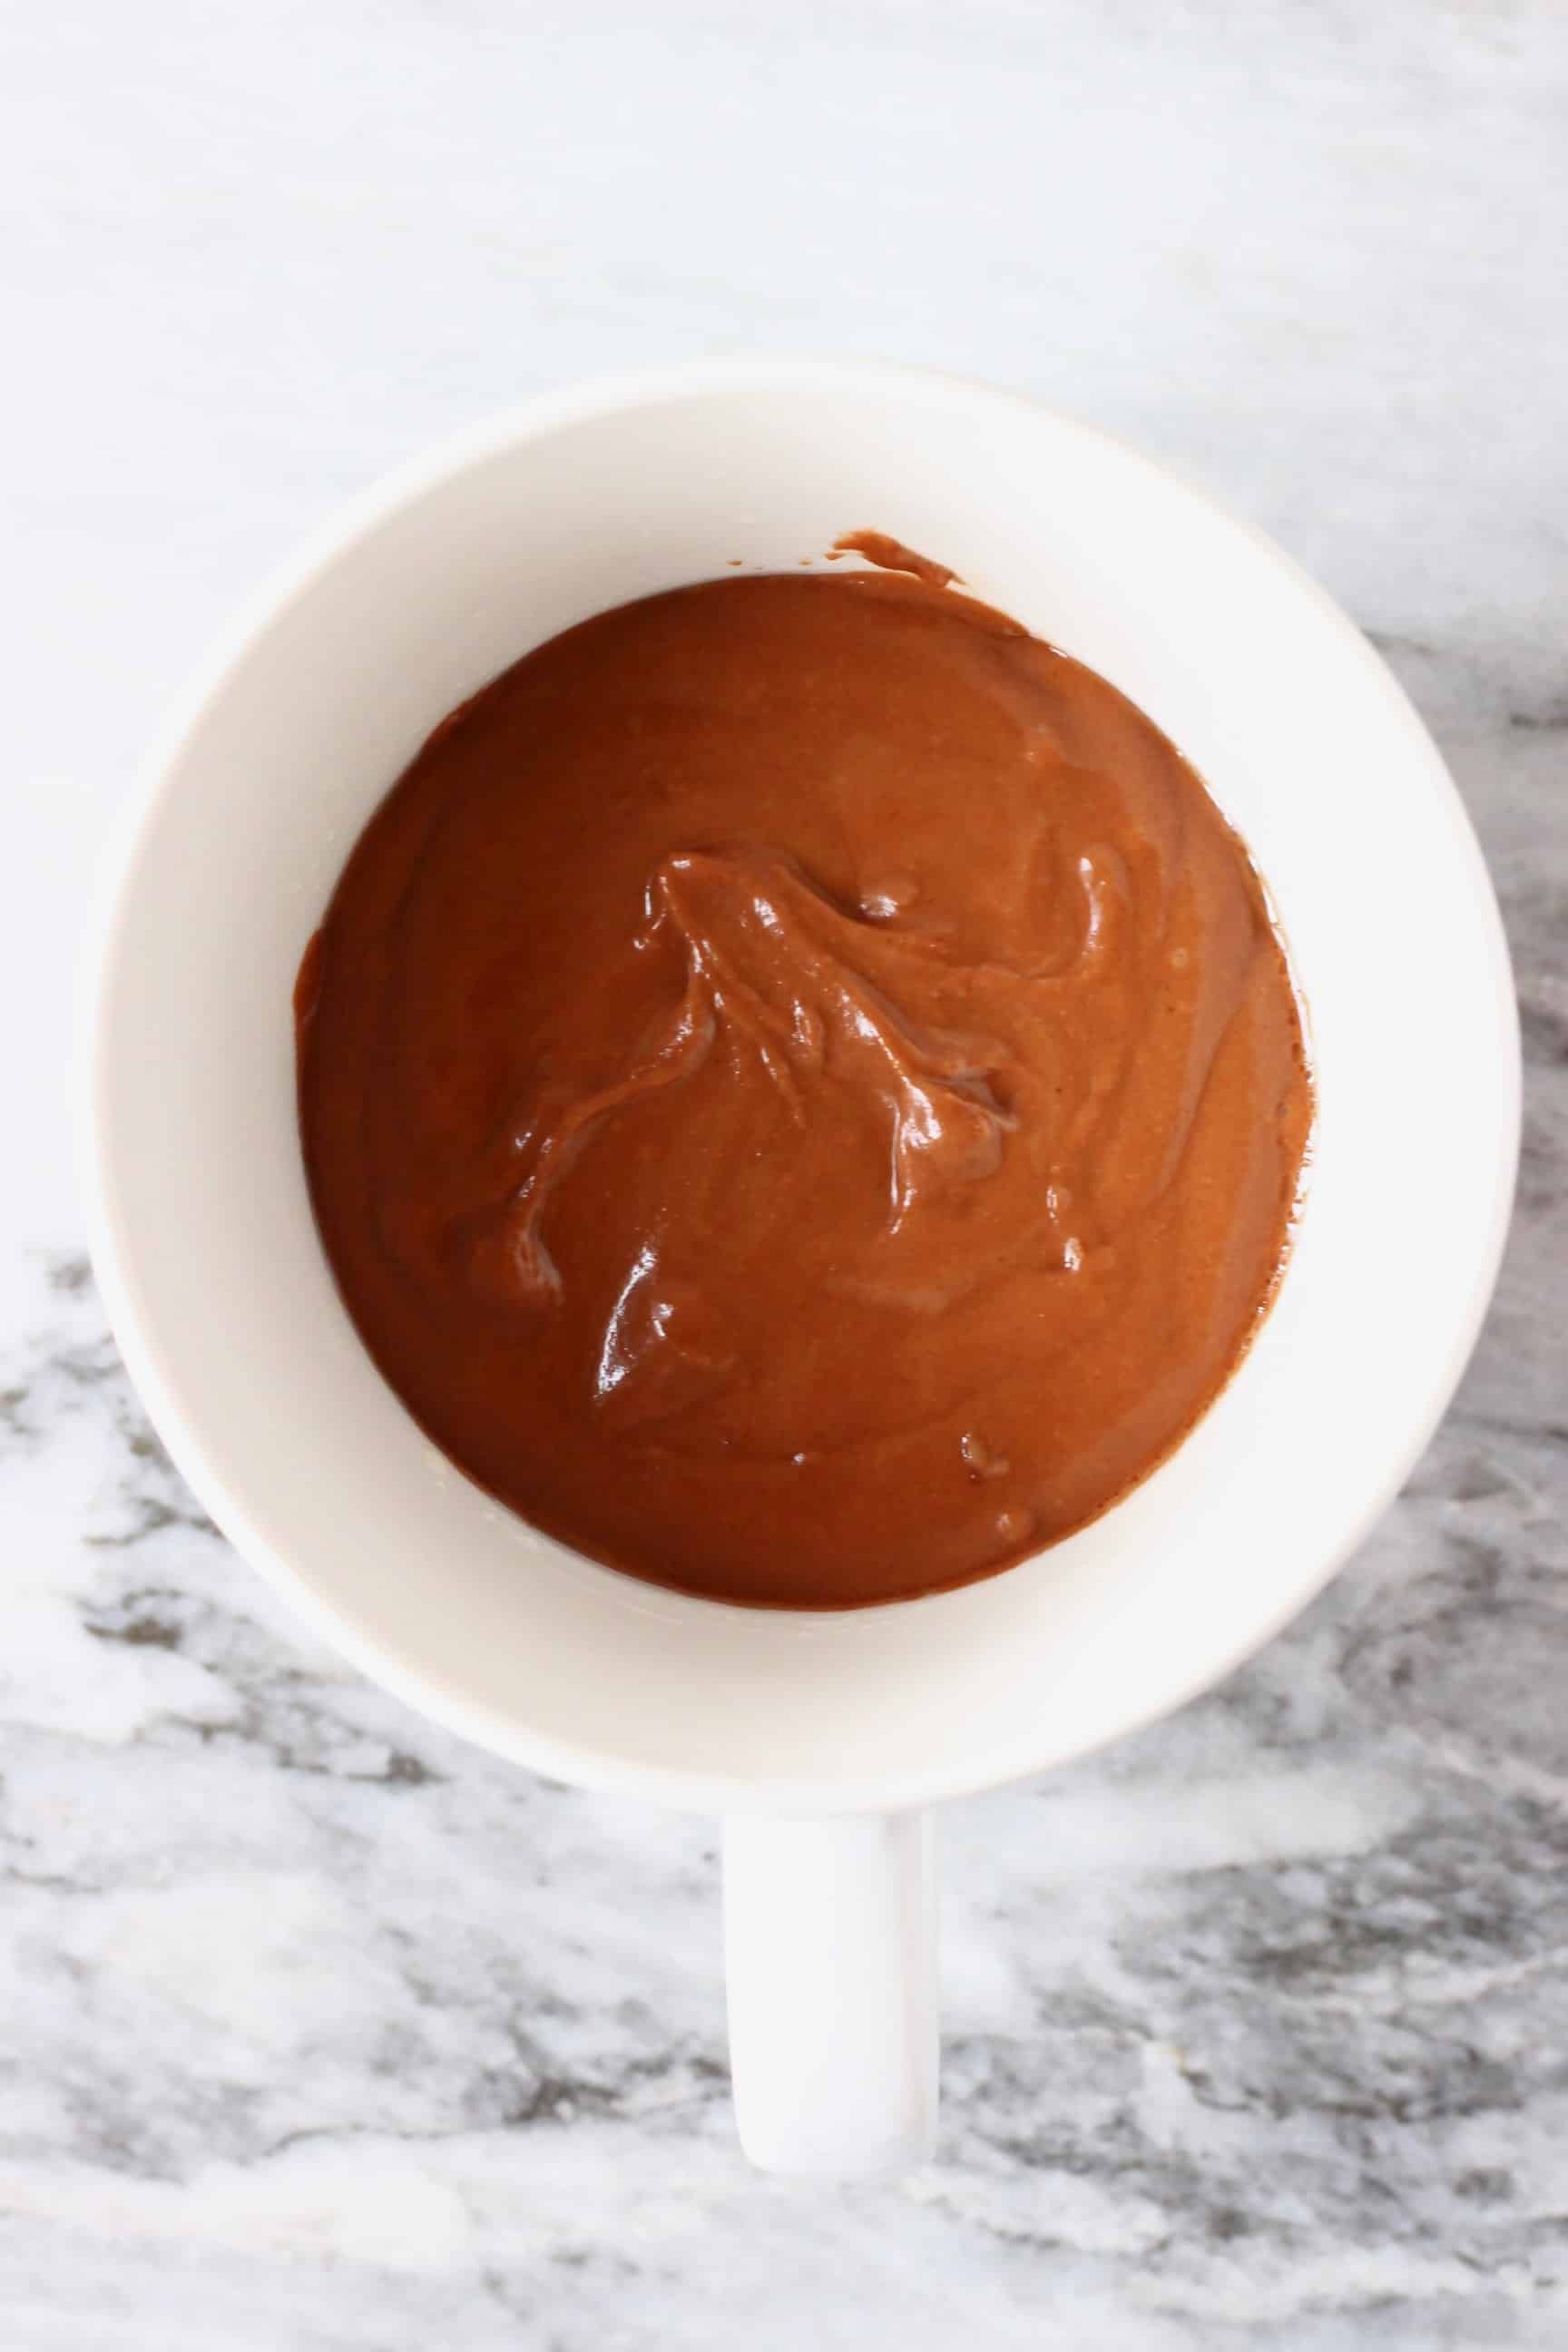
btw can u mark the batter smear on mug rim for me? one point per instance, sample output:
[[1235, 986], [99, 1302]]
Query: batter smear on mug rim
[[801, 1092]]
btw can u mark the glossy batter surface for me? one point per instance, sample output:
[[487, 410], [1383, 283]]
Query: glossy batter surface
[[800, 1091]]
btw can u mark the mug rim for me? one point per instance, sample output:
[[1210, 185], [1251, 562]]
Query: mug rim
[[160, 1387]]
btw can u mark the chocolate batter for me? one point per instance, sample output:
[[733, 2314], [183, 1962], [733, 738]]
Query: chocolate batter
[[800, 1090]]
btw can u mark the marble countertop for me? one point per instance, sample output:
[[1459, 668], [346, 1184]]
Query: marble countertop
[[320, 2030]]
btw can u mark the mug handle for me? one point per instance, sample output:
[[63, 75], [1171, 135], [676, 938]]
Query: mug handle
[[830, 1954]]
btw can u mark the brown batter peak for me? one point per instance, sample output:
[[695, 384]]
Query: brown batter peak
[[892, 555]]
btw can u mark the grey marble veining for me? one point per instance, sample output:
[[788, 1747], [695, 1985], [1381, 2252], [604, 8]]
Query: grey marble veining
[[319, 2030]]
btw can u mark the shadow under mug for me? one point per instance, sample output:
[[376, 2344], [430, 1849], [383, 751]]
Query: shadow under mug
[[822, 1739]]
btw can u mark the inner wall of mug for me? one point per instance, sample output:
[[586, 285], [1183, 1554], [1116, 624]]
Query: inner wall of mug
[[236, 1330]]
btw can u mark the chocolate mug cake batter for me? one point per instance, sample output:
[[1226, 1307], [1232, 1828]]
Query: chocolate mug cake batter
[[800, 1090]]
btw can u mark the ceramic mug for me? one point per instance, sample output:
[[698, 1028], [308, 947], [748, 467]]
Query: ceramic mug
[[822, 1738]]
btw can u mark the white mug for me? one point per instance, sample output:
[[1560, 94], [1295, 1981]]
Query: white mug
[[822, 1738]]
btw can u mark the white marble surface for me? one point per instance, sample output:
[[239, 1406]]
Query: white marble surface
[[319, 2031]]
